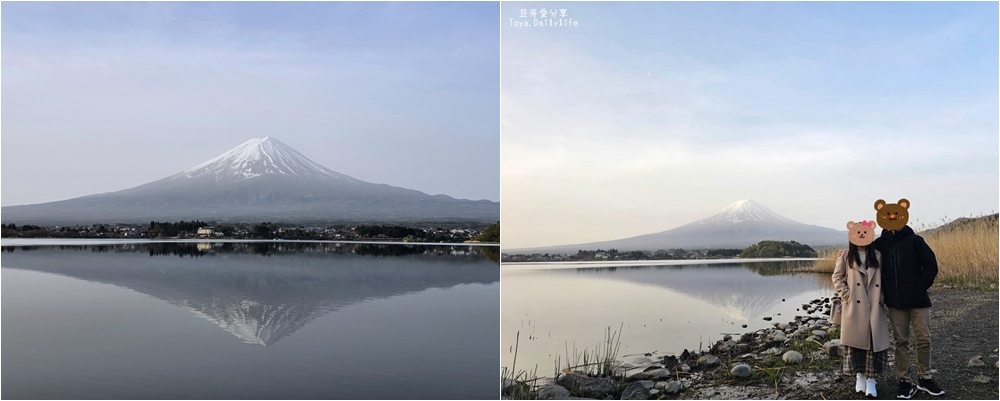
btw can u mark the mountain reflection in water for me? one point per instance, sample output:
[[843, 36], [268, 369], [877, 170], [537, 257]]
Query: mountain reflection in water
[[744, 296], [258, 298]]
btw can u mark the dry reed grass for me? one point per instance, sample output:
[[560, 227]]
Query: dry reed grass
[[967, 252], [827, 260]]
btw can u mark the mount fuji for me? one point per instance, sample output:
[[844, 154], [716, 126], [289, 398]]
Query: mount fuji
[[739, 225], [260, 180]]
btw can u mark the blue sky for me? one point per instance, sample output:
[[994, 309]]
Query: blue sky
[[105, 96], [646, 116]]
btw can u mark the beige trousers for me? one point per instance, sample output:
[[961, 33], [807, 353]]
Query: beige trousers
[[901, 321]]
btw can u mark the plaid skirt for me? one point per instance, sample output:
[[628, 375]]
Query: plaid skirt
[[870, 363]]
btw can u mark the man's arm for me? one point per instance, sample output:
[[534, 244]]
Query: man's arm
[[880, 245]]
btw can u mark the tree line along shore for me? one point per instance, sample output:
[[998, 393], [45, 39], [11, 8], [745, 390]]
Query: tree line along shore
[[431, 233], [762, 249]]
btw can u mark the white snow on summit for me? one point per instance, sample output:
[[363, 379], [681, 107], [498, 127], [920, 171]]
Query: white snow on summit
[[746, 210], [260, 156]]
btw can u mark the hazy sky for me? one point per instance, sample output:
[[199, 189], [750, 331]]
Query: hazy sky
[[647, 116], [101, 97]]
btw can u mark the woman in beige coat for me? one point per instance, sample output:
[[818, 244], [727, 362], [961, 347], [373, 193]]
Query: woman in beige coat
[[864, 328]]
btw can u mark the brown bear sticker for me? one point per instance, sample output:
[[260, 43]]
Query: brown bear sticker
[[892, 216]]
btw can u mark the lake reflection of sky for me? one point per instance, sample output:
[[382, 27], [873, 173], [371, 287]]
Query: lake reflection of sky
[[248, 321], [662, 308]]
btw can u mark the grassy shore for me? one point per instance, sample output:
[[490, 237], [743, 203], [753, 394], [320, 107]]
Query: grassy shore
[[966, 250]]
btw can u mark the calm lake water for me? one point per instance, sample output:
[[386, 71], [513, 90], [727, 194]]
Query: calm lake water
[[556, 310], [249, 320]]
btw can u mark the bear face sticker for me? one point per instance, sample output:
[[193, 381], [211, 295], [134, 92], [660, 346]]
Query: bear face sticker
[[892, 216], [861, 234]]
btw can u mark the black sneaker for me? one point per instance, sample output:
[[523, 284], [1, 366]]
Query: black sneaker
[[905, 390], [929, 386]]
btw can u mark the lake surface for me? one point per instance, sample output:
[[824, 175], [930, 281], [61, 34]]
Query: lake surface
[[239, 320], [555, 311]]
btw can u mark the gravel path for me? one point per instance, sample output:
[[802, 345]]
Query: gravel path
[[964, 325]]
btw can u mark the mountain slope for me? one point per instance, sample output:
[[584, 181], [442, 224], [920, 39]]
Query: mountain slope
[[259, 180], [739, 225]]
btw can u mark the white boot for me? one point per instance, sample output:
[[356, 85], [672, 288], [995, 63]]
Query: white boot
[[859, 386], [870, 388]]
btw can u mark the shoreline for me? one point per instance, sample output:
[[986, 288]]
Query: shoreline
[[964, 360]]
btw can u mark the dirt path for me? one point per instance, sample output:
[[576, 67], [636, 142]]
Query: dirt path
[[964, 324]]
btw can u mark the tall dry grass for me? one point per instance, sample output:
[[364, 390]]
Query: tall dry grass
[[967, 251], [827, 260]]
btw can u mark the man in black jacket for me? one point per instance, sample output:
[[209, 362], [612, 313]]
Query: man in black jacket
[[908, 271]]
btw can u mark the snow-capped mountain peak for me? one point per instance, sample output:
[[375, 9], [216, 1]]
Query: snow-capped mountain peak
[[746, 210], [257, 157]]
